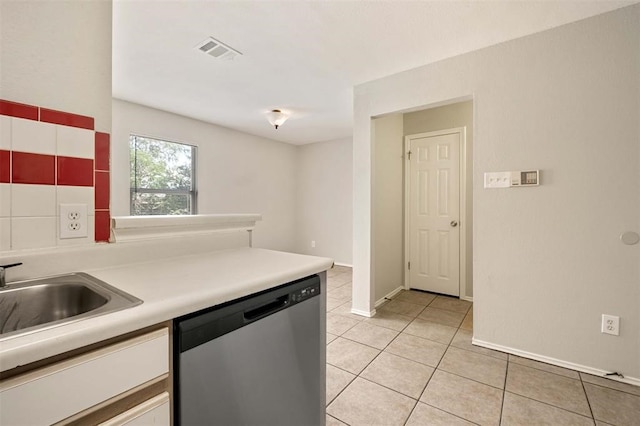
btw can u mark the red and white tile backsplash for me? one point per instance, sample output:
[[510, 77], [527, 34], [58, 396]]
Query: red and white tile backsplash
[[48, 158]]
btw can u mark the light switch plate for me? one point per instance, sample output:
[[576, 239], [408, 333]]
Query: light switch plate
[[497, 180]]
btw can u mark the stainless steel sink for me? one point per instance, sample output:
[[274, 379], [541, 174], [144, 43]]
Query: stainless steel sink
[[33, 305]]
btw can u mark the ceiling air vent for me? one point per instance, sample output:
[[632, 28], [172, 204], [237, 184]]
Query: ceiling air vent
[[217, 49]]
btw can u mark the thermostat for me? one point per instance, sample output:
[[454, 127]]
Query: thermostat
[[525, 178]]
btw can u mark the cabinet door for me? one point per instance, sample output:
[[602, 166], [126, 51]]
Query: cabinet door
[[155, 411], [58, 391]]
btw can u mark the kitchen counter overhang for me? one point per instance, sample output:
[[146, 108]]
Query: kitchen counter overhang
[[169, 288]]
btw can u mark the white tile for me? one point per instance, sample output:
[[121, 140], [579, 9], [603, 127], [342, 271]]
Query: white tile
[[75, 142], [77, 195], [33, 200], [5, 132], [33, 232], [5, 200], [89, 239], [33, 136], [5, 234]]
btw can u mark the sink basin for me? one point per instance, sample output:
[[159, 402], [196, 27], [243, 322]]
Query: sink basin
[[33, 305]]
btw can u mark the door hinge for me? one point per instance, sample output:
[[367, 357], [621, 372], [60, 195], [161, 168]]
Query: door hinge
[[409, 155], [409, 265]]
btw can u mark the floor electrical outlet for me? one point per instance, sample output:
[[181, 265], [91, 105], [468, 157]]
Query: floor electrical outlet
[[73, 221], [611, 324]]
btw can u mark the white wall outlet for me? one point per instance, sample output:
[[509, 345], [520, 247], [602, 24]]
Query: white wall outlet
[[313, 244], [73, 221], [611, 324], [497, 180]]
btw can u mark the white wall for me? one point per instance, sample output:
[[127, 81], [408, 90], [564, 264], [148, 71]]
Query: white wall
[[387, 213], [57, 55], [236, 172], [324, 199], [547, 260], [459, 114]]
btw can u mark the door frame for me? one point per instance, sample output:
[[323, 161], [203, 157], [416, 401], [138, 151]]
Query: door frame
[[462, 131]]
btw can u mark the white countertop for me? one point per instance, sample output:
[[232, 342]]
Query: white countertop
[[169, 289]]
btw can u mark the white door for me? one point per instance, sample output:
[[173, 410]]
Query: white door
[[433, 211]]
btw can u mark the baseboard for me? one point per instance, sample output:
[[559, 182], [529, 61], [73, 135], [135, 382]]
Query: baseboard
[[367, 314], [389, 296], [343, 264], [560, 363], [467, 298]]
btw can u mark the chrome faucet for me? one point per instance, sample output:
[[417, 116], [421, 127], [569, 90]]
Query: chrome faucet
[[3, 282]]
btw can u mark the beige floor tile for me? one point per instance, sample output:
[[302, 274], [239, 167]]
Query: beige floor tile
[[544, 367], [417, 297], [332, 285], [342, 293], [343, 269], [485, 369], [451, 304], [547, 387], [462, 340], [366, 403], [390, 320], [609, 383], [467, 322], [350, 356], [338, 324], [612, 406], [465, 398], [417, 349], [345, 310], [450, 318], [599, 423], [430, 330], [332, 421], [425, 414], [342, 278], [371, 335], [337, 380], [400, 374], [333, 303], [331, 338], [518, 411], [402, 308]]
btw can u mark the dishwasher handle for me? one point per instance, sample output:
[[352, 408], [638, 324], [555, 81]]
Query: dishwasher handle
[[255, 313]]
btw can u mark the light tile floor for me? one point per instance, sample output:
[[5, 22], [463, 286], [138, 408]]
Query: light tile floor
[[414, 364]]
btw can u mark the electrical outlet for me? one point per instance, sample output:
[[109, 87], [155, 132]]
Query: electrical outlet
[[313, 244], [611, 324], [73, 221]]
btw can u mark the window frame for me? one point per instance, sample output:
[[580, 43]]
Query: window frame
[[193, 193]]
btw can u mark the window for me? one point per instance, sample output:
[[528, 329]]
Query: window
[[162, 177]]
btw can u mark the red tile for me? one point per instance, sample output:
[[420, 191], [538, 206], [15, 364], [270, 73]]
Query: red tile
[[102, 151], [103, 226], [15, 109], [33, 168], [5, 166], [66, 118], [75, 171], [102, 191]]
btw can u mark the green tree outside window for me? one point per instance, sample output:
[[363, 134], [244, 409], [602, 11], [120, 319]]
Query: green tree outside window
[[162, 177]]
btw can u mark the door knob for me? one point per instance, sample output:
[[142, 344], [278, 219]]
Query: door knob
[[453, 224]]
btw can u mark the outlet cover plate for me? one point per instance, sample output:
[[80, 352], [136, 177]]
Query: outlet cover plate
[[73, 221], [611, 324]]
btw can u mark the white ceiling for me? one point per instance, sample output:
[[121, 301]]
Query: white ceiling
[[303, 57]]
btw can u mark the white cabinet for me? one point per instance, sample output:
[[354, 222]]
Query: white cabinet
[[50, 394]]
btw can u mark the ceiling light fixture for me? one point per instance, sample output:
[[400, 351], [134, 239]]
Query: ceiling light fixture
[[276, 118]]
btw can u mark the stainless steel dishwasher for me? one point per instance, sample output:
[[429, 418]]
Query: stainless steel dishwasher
[[259, 360]]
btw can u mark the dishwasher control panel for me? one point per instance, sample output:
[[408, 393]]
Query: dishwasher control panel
[[305, 293]]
